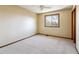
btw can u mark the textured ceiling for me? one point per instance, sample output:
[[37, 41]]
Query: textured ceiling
[[36, 8]]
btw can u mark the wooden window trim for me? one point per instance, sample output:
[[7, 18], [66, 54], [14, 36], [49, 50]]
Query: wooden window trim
[[51, 15]]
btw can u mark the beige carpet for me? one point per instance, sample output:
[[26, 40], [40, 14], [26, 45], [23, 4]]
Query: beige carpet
[[41, 44]]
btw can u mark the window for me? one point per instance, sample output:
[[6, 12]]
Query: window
[[52, 20]]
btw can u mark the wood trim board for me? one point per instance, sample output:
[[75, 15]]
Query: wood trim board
[[16, 41], [55, 36]]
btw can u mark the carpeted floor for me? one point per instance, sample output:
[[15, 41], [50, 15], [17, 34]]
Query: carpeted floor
[[41, 44]]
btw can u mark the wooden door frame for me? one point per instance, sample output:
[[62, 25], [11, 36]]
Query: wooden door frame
[[73, 29]]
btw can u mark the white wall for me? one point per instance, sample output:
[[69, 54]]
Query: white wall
[[77, 27], [16, 23], [65, 24]]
